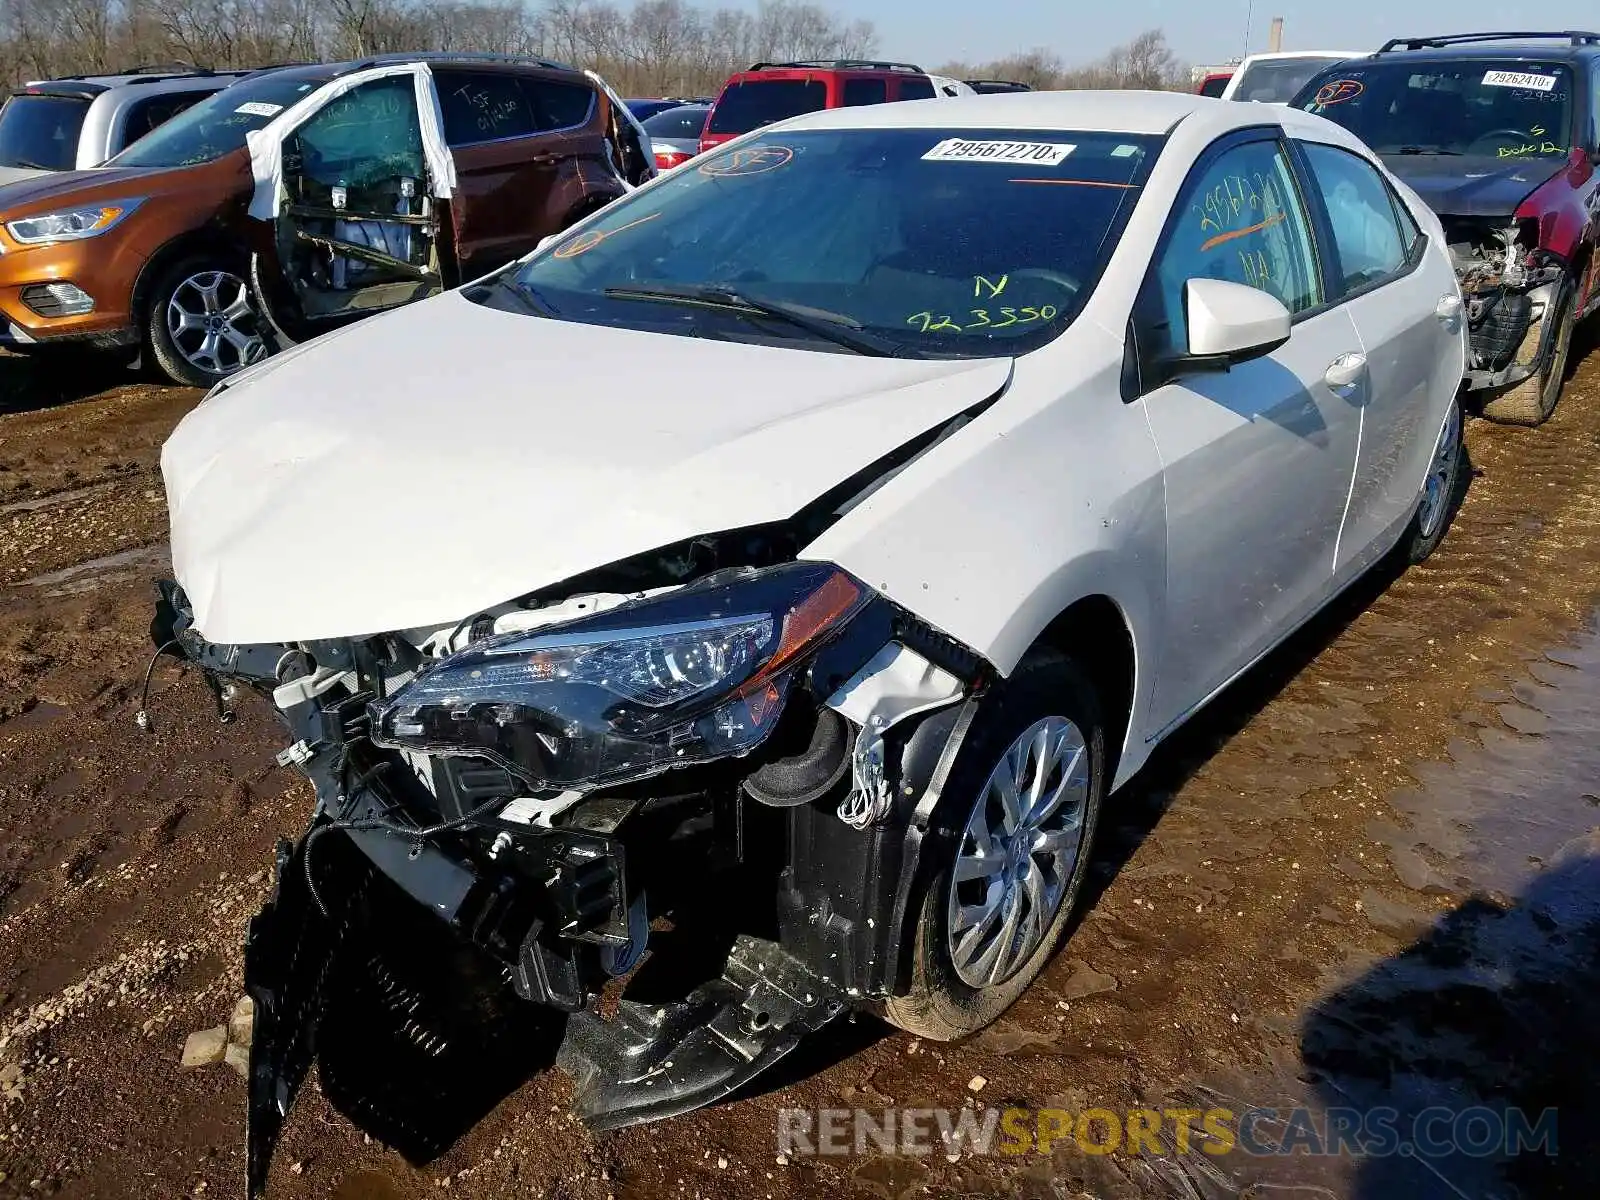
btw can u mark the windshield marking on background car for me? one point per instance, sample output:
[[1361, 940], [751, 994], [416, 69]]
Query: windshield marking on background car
[[754, 160], [1338, 91], [1520, 79]]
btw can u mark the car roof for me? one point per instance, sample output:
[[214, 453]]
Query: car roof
[[1521, 45], [1285, 55], [1101, 112]]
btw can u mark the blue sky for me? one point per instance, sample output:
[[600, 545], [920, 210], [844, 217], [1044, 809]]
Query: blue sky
[[934, 31]]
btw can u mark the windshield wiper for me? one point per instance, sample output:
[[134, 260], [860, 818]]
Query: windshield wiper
[[27, 164], [829, 326], [1427, 150]]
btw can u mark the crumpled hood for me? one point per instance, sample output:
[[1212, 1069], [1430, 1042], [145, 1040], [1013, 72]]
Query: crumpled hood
[[422, 466], [1472, 187]]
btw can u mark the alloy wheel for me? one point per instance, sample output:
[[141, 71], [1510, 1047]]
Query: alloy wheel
[[212, 323], [1018, 853], [1441, 475]]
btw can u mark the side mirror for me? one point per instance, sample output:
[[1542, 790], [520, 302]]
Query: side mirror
[[1230, 323]]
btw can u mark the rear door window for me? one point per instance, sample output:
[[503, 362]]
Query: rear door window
[[558, 105], [41, 132], [756, 102], [1371, 245], [865, 91], [146, 115], [482, 106]]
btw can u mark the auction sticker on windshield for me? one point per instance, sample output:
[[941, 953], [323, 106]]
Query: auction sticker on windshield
[[1520, 79], [1046, 154], [259, 108]]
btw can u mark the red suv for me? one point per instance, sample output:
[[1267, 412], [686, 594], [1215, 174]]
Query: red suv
[[770, 92], [1499, 133]]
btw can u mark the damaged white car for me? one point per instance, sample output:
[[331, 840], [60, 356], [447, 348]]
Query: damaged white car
[[981, 442]]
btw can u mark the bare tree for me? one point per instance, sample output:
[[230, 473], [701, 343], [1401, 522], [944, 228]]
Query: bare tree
[[1146, 62]]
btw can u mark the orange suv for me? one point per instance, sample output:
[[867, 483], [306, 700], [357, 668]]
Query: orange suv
[[771, 92], [342, 189]]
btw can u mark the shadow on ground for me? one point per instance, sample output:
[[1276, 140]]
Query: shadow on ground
[[52, 378], [1481, 1040]]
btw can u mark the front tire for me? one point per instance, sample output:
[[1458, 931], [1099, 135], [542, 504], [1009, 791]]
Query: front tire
[[200, 325], [1533, 400], [1025, 795]]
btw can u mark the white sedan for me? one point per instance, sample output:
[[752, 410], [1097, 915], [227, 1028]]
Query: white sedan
[[861, 504]]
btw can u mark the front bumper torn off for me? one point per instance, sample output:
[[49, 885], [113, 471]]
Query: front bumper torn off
[[417, 1065]]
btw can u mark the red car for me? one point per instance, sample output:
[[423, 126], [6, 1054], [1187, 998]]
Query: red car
[[1213, 83], [771, 92], [1500, 135]]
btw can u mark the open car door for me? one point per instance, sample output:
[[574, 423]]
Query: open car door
[[351, 182]]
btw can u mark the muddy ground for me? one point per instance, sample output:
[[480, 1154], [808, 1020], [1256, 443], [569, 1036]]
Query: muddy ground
[[1367, 875]]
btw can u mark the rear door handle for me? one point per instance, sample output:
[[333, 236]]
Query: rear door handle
[[1448, 308], [1345, 372]]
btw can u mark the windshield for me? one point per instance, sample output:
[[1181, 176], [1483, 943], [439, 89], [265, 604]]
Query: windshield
[[41, 132], [1483, 107], [757, 102], [1276, 80], [685, 121], [217, 125], [965, 244]]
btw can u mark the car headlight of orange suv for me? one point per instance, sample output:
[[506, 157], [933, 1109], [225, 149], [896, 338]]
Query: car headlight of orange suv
[[70, 224]]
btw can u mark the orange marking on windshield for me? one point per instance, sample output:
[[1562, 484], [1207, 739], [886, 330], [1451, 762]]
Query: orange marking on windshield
[[1212, 243], [586, 242], [1123, 187]]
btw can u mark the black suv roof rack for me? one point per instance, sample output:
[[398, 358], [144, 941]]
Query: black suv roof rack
[[1006, 83], [1573, 37], [840, 64]]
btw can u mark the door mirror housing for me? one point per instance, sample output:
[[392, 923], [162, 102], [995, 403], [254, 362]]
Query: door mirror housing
[[1230, 323]]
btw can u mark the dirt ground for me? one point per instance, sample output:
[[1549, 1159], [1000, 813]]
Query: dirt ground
[[1358, 878]]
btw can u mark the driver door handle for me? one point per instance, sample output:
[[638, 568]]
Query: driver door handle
[[1448, 308], [1345, 372]]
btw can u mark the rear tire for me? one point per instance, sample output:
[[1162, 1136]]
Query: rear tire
[[200, 323], [1532, 401], [961, 984], [1440, 492]]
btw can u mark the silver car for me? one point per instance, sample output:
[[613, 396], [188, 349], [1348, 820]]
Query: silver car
[[80, 121], [675, 134]]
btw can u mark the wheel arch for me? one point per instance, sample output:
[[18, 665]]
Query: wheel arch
[[1095, 633], [194, 241]]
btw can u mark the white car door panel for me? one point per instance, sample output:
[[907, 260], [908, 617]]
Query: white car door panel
[[1257, 464], [1258, 459], [1399, 293]]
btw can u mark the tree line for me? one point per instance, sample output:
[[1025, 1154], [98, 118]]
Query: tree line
[[649, 47]]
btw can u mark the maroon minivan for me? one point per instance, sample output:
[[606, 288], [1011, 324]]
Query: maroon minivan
[[772, 92]]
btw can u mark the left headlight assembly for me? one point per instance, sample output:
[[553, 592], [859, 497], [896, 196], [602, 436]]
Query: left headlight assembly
[[691, 676], [70, 224]]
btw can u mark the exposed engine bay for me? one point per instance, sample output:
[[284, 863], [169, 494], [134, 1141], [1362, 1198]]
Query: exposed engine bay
[[711, 764], [1508, 285]]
